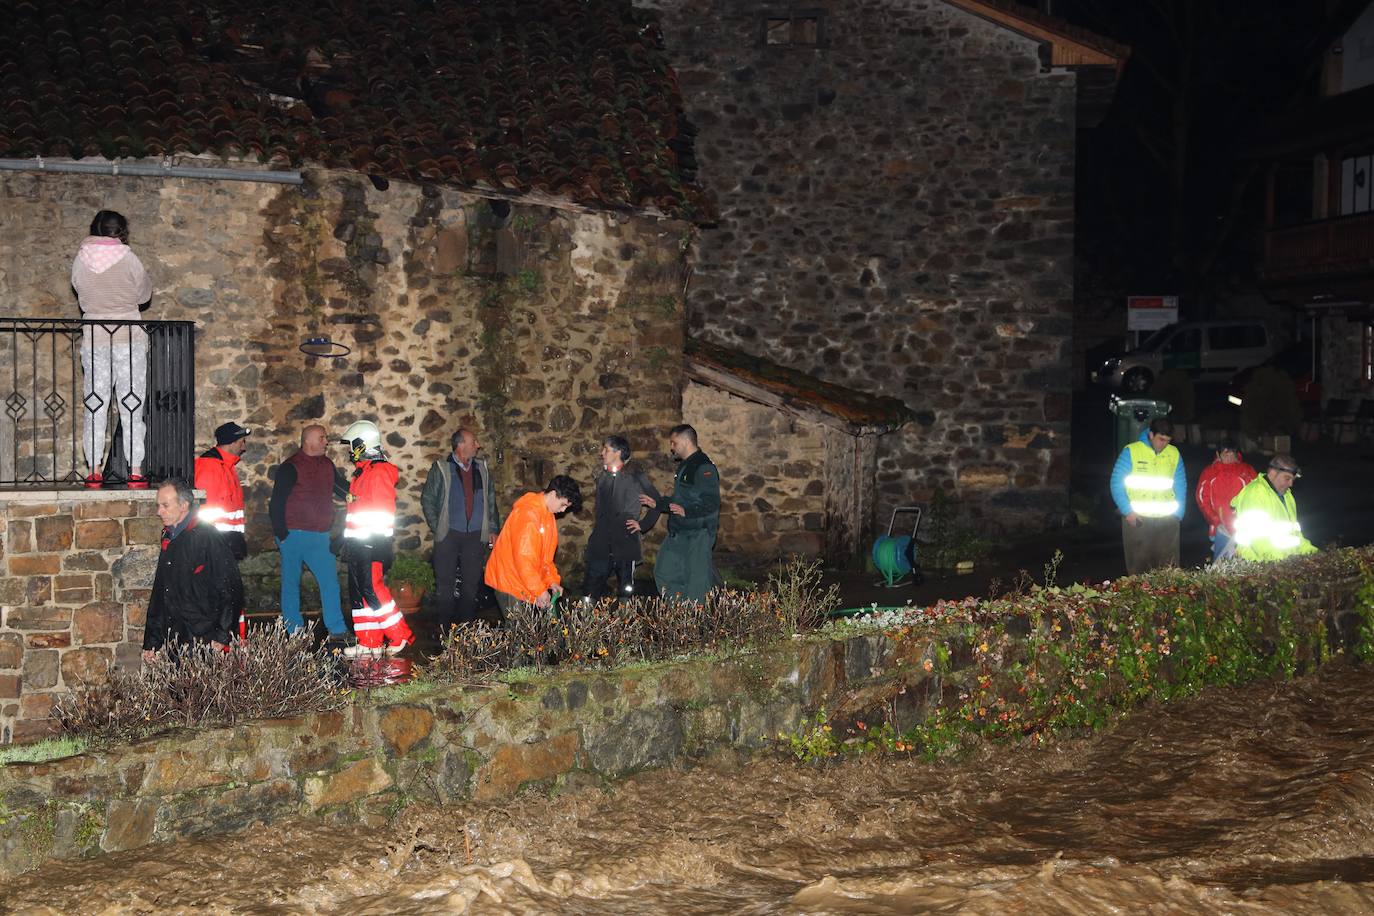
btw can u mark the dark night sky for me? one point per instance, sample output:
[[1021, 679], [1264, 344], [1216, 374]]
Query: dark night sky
[[1169, 197]]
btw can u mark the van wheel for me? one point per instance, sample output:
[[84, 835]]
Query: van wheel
[[1137, 381]]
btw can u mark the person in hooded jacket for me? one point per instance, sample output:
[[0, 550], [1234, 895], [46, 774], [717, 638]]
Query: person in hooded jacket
[[369, 528], [1220, 483], [197, 593], [110, 283], [614, 546], [1150, 489], [521, 566]]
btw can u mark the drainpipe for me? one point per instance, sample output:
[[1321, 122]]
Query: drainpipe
[[141, 170]]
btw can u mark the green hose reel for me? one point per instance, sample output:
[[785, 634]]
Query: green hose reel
[[895, 556]]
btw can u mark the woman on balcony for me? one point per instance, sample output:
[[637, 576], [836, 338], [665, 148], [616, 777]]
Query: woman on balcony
[[110, 283]]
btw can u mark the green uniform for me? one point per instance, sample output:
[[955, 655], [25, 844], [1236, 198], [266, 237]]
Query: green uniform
[[684, 564]]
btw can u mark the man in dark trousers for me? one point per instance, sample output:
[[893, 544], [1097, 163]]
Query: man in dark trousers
[[614, 546], [197, 592], [459, 503], [304, 491], [218, 479], [684, 568]]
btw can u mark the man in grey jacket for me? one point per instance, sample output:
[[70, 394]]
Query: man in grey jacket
[[459, 503], [614, 546]]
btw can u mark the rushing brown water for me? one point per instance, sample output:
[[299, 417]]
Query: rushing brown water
[[1258, 800]]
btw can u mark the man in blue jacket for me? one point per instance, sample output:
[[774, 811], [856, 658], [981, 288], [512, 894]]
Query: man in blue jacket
[[1150, 490]]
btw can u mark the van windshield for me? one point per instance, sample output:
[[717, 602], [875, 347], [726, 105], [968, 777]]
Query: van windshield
[[1151, 343]]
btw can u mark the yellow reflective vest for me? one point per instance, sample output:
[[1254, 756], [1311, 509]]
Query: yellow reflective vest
[[1266, 524], [1150, 483]]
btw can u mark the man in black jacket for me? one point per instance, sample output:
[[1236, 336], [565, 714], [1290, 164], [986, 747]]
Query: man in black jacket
[[197, 592], [614, 546]]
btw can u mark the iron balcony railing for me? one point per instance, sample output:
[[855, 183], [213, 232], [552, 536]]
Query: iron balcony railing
[[88, 399]]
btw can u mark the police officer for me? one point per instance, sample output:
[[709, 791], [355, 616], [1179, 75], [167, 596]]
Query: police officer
[[684, 568]]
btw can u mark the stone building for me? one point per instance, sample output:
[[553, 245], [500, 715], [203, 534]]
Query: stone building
[[896, 190], [488, 204]]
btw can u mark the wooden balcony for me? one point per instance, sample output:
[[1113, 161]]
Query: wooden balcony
[[1341, 247]]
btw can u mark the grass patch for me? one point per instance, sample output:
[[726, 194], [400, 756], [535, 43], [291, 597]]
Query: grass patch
[[43, 751]]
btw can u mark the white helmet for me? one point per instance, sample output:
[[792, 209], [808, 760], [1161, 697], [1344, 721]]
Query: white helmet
[[363, 439]]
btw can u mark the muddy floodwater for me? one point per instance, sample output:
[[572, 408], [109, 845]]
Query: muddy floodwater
[[1258, 800]]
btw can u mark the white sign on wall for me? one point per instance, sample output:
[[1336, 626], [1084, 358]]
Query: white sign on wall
[[1150, 313]]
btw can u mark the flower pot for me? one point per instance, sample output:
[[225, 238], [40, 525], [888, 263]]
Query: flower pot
[[407, 597]]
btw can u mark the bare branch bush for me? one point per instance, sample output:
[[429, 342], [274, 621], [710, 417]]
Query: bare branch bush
[[612, 633], [268, 675]]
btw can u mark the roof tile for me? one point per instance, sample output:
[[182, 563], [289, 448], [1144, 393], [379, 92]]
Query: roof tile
[[571, 95]]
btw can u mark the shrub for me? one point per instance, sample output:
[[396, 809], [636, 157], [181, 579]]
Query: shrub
[[1174, 386], [638, 630], [411, 569], [268, 675], [1270, 404]]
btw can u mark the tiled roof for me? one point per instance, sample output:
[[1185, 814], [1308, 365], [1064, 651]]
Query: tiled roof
[[765, 382], [568, 99]]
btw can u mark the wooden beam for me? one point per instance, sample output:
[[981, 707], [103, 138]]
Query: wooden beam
[[724, 380], [1065, 51]]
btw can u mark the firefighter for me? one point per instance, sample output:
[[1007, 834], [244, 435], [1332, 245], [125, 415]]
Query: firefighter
[[369, 528], [1267, 515], [217, 476]]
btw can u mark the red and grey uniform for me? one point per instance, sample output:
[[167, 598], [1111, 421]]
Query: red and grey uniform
[[368, 530], [223, 505]]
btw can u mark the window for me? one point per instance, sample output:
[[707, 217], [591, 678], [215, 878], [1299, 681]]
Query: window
[[1355, 185], [799, 29], [1367, 353], [1236, 337], [1184, 342]]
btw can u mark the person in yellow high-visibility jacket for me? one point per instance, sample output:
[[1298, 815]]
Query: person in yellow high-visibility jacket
[[1267, 515], [1150, 490]]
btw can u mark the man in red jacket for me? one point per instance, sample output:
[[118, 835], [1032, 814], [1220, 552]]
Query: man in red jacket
[[223, 506], [1218, 485]]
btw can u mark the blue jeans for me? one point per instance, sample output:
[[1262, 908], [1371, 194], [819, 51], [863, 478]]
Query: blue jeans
[[312, 549], [1219, 543]]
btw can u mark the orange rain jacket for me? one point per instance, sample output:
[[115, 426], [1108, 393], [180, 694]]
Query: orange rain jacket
[[521, 563]]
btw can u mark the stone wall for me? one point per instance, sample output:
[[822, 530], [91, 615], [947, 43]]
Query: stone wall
[[78, 571], [897, 214], [545, 329], [441, 744], [366, 761], [1342, 360]]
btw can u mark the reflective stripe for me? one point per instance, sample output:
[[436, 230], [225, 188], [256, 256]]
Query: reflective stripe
[[1257, 525], [223, 520], [1154, 508], [383, 618], [1147, 482], [366, 524]]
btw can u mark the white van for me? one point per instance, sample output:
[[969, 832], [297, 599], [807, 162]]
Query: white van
[[1206, 350]]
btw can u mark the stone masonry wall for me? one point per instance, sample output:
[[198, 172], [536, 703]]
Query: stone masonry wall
[[442, 745], [544, 329], [1342, 360], [78, 572], [896, 216], [772, 473]]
